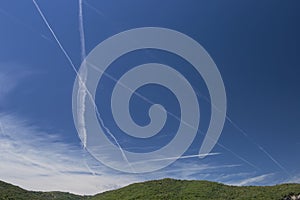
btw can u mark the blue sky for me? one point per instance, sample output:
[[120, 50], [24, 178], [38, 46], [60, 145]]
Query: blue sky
[[254, 44]]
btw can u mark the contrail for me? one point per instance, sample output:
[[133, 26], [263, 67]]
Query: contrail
[[53, 34], [238, 156], [275, 161], [201, 168], [80, 80], [81, 97], [18, 21], [88, 168], [95, 9], [180, 157], [91, 98], [259, 146], [138, 94], [82, 89], [81, 31], [149, 101], [247, 136]]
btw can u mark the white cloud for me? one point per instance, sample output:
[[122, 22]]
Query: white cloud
[[37, 160], [253, 180], [294, 179], [11, 76], [6, 85]]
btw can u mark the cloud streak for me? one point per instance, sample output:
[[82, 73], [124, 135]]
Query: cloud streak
[[39, 160], [253, 180], [82, 90]]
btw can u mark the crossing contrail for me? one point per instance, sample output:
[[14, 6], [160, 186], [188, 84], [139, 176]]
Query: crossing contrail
[[83, 91], [171, 114], [259, 146], [275, 161], [248, 137], [80, 80], [54, 35], [149, 101]]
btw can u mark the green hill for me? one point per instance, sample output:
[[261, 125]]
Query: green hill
[[11, 192], [162, 189]]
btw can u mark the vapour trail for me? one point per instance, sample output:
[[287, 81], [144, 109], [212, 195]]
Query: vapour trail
[[91, 98], [54, 35], [81, 31], [181, 157], [248, 137], [260, 147], [173, 115], [238, 156], [80, 80], [201, 168], [82, 89], [93, 8], [88, 168], [137, 94], [18, 21], [275, 161], [81, 96]]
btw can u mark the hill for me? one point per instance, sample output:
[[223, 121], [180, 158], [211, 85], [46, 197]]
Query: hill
[[178, 189], [11, 192], [162, 189]]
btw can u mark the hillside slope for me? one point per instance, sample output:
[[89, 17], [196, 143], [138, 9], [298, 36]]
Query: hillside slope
[[162, 189], [11, 192], [178, 189]]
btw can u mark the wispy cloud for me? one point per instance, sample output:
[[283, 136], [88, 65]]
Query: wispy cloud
[[36, 159], [295, 179], [39, 160], [261, 179], [10, 78]]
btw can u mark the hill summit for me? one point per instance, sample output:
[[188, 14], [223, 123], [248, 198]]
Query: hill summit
[[165, 189]]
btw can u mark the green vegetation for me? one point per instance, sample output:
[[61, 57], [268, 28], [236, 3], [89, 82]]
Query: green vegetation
[[11, 192], [177, 189], [163, 189]]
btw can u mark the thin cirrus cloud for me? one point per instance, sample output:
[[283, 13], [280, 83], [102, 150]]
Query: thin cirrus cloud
[[253, 180], [12, 75], [39, 160], [6, 83]]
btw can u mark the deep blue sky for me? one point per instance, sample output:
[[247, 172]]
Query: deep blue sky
[[255, 45]]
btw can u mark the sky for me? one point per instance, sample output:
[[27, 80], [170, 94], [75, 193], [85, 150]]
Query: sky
[[254, 44]]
